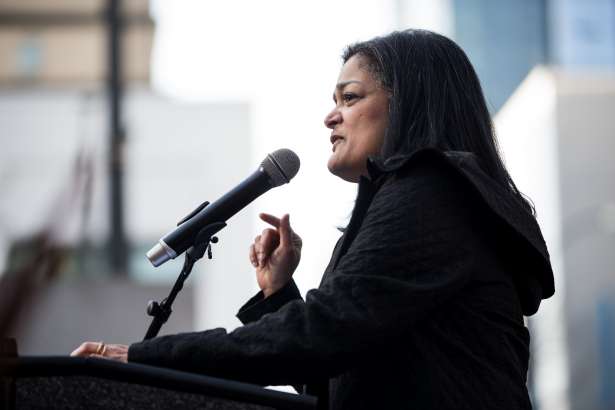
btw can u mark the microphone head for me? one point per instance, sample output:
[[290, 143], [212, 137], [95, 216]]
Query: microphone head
[[281, 166]]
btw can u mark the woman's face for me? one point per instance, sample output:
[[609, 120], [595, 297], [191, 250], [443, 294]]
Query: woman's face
[[358, 121]]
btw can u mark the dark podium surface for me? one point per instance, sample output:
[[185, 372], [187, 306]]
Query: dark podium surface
[[88, 383]]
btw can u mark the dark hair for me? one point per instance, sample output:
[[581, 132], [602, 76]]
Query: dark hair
[[436, 99]]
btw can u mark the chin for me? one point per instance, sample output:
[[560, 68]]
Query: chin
[[342, 172]]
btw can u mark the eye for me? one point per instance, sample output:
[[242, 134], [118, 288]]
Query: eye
[[347, 97]]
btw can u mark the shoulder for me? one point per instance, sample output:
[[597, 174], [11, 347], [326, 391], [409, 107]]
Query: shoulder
[[456, 177], [454, 174], [422, 198]]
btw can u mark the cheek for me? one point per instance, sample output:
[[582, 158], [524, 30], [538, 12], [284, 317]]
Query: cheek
[[374, 125], [381, 118]]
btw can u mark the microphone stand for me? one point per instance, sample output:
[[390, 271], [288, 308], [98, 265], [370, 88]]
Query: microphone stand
[[160, 311]]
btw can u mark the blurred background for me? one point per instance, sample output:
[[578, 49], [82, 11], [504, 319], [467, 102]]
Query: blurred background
[[117, 118]]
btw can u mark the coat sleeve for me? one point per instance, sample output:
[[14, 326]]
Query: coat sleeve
[[258, 305], [412, 254]]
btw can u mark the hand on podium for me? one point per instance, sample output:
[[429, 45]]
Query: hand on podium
[[102, 351]]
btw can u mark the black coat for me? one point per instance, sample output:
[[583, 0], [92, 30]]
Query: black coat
[[421, 306]]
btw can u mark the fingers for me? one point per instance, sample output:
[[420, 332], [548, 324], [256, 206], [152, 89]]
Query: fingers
[[297, 242], [270, 219], [86, 349], [269, 240], [253, 250], [285, 231], [102, 351], [263, 246], [283, 225], [253, 259]]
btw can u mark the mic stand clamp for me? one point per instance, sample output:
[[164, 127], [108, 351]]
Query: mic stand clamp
[[160, 311]]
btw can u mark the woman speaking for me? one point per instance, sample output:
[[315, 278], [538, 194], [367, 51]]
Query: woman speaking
[[422, 304]]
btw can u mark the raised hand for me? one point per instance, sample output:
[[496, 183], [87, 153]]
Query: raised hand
[[275, 254]]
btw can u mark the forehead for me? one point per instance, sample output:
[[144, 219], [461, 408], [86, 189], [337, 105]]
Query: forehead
[[355, 69]]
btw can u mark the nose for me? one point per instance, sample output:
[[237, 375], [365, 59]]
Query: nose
[[333, 118]]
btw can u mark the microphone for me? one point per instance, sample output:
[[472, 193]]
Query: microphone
[[277, 168]]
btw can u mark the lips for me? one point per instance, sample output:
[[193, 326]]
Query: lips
[[334, 140]]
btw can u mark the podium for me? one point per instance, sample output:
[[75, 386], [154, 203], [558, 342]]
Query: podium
[[88, 383]]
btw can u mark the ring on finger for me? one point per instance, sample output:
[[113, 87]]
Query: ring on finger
[[101, 348]]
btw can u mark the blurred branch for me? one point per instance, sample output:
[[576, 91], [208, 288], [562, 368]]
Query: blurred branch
[[45, 252], [17, 287]]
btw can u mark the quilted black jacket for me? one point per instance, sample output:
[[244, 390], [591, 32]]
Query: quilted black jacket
[[421, 306]]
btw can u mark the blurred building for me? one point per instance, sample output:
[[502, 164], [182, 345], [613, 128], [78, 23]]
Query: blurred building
[[65, 43], [61, 46], [582, 34], [504, 40], [54, 172], [555, 129]]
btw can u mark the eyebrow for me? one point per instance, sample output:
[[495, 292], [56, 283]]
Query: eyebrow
[[340, 86], [343, 84]]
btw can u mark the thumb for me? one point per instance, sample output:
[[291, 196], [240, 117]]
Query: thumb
[[285, 231]]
